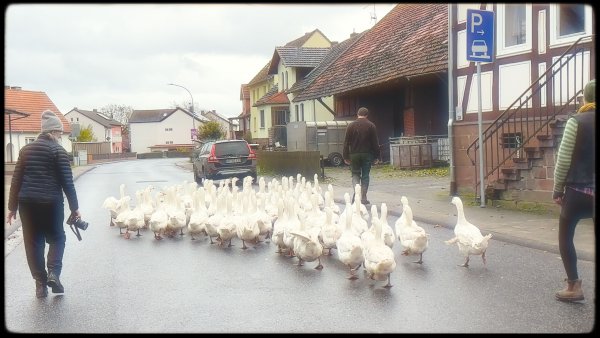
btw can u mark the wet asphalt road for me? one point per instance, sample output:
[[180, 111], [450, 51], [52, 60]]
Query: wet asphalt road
[[183, 286]]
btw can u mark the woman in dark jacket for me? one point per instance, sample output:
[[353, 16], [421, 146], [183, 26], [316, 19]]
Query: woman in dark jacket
[[42, 173]]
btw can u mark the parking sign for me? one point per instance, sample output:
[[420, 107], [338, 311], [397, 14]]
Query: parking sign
[[480, 35]]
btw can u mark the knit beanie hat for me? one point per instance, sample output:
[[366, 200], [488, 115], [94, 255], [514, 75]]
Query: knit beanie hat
[[50, 122], [589, 92]]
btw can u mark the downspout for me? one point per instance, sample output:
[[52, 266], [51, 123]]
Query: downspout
[[451, 101]]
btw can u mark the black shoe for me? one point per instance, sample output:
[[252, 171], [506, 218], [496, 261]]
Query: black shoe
[[41, 290], [54, 283], [365, 202]]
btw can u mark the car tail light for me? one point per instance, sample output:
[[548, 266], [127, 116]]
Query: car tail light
[[212, 158], [251, 154]]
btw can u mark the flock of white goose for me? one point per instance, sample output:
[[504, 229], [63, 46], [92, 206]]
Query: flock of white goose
[[298, 216]]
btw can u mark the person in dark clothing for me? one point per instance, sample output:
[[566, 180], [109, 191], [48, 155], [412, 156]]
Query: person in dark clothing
[[574, 186], [361, 150], [42, 173]]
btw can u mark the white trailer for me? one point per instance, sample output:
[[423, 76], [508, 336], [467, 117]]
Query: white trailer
[[327, 137]]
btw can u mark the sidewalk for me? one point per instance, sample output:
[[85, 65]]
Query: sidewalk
[[429, 198]]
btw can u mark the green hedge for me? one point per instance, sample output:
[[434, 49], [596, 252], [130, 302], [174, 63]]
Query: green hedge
[[306, 163]]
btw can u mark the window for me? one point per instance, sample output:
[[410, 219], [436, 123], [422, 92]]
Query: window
[[302, 111], [569, 22], [71, 119], [571, 19], [514, 29], [169, 142], [297, 113], [286, 79], [511, 140], [262, 118], [514, 25], [29, 140], [78, 119], [168, 129]]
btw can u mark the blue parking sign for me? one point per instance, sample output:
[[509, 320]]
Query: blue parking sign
[[480, 35]]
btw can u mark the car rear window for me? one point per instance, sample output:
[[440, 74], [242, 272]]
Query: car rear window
[[231, 149]]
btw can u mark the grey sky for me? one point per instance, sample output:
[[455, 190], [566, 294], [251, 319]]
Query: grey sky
[[92, 55]]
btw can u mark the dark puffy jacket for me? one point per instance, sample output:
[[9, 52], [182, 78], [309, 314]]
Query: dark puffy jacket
[[42, 173]]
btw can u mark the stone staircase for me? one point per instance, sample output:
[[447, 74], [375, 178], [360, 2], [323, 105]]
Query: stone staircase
[[531, 177]]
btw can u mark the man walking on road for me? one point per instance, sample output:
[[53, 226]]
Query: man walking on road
[[361, 150], [42, 173]]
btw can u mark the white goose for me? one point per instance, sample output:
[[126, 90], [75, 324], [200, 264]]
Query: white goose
[[413, 238], [135, 217], [307, 246], [111, 203], [199, 216], [379, 258], [227, 227], [349, 245], [246, 222], [468, 237], [218, 207], [330, 231], [279, 227]]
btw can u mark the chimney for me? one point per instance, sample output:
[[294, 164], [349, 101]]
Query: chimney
[[95, 111], [15, 88]]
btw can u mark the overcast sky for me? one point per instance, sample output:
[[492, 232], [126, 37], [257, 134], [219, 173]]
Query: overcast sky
[[92, 55]]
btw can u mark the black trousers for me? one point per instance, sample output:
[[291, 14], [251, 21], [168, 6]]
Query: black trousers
[[576, 206], [43, 223]]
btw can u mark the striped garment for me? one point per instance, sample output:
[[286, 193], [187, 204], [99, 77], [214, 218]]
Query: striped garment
[[565, 154]]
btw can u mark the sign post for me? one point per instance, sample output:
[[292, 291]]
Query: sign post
[[480, 48]]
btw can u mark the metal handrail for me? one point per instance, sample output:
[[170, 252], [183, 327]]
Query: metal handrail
[[513, 115]]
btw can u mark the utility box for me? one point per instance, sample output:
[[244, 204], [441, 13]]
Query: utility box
[[327, 137], [83, 157]]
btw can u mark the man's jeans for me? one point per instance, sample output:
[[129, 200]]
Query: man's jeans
[[43, 222], [360, 166]]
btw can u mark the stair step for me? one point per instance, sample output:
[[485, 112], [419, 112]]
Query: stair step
[[546, 141], [523, 165], [534, 152]]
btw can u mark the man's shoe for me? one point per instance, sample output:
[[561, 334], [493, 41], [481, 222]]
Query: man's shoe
[[54, 283], [41, 291]]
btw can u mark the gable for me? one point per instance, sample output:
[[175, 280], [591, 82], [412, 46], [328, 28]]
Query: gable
[[32, 103]]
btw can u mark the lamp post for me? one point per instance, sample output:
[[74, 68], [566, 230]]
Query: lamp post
[[193, 117]]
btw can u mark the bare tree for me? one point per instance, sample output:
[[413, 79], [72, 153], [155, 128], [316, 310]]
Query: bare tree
[[117, 112], [186, 105], [121, 113]]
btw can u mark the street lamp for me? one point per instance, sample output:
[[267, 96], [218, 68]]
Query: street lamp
[[193, 117]]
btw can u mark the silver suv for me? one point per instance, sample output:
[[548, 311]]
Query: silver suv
[[224, 159]]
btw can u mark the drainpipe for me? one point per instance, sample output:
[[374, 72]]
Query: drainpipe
[[451, 101]]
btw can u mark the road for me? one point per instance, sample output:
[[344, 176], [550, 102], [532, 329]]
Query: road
[[177, 285]]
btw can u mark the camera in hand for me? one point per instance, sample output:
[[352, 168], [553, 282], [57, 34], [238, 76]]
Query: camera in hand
[[78, 222]]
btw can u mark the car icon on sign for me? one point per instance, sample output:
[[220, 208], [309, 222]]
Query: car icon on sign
[[479, 49]]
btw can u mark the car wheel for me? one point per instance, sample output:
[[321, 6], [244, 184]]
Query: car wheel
[[336, 159]]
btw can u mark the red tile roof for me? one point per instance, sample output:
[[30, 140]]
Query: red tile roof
[[32, 103], [410, 40], [273, 96]]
